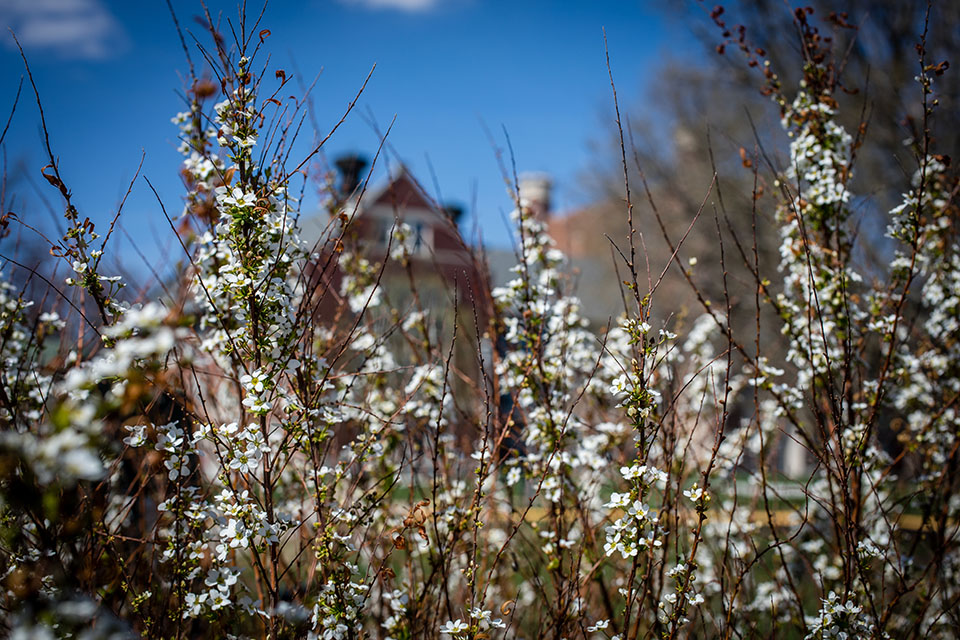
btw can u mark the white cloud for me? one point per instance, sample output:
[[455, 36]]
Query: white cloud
[[77, 29], [411, 6]]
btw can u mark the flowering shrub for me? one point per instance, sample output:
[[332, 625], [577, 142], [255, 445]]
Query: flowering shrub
[[236, 459]]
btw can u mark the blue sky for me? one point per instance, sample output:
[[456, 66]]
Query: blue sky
[[109, 74]]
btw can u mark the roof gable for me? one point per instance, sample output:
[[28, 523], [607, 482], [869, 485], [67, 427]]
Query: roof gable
[[402, 192]]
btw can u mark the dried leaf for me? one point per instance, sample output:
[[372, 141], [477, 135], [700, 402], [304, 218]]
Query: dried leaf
[[51, 178]]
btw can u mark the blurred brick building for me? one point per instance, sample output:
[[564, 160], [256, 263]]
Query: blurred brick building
[[440, 274]]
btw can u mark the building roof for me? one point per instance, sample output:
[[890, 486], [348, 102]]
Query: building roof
[[402, 191]]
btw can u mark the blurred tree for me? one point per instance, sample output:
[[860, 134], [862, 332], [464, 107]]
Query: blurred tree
[[710, 115], [875, 44]]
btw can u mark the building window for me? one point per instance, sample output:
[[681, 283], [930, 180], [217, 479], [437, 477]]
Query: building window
[[421, 243], [419, 240], [382, 231]]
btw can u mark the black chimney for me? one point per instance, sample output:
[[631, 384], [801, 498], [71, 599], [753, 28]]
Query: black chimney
[[454, 212], [351, 166]]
